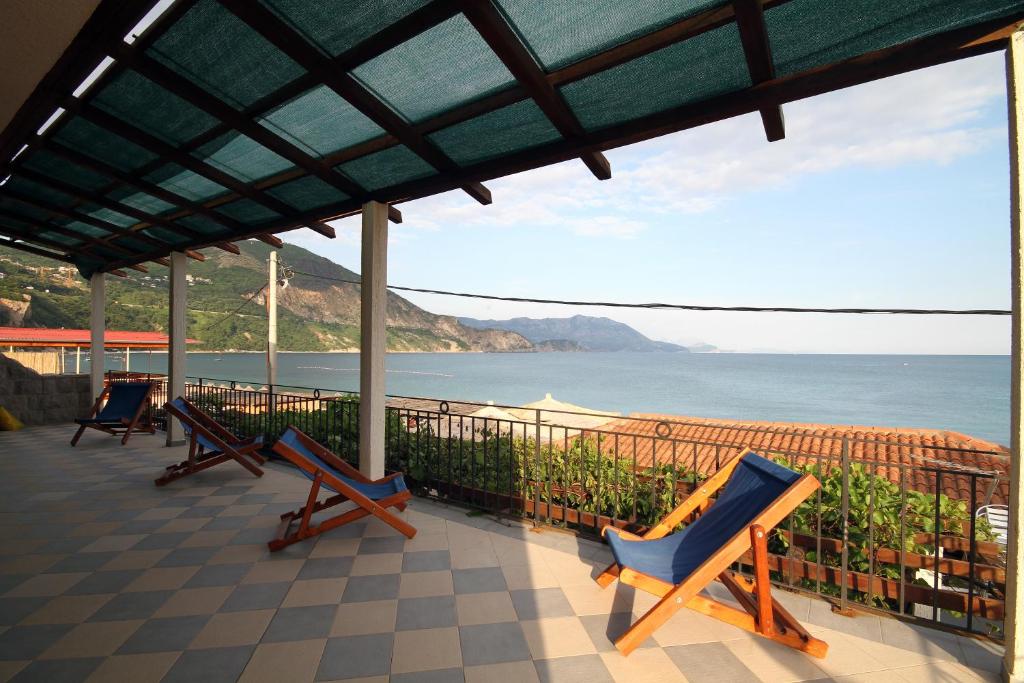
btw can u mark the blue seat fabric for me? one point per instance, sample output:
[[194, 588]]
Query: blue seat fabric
[[209, 447], [754, 485], [123, 401], [375, 491]]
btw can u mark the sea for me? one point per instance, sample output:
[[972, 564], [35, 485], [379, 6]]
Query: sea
[[969, 394]]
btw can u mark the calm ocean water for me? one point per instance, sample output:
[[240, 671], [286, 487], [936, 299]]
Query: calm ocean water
[[969, 394]]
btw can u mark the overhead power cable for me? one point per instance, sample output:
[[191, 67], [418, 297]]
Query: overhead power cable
[[682, 307], [233, 313]]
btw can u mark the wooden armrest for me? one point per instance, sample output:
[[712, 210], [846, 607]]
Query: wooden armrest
[[622, 533]]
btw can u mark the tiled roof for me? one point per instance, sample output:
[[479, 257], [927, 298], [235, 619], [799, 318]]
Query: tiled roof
[[699, 444], [62, 337]]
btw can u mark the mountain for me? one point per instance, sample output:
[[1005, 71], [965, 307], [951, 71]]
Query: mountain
[[588, 333], [314, 314]]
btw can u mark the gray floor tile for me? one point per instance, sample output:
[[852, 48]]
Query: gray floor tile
[[203, 511], [366, 588], [709, 663], [187, 557], [252, 536], [58, 670], [232, 490], [433, 612], [493, 643], [300, 623], [483, 580], [326, 568], [11, 581], [254, 498], [28, 642], [215, 665], [543, 603], [381, 544], [226, 523], [603, 629], [81, 562], [218, 575], [131, 606], [582, 669], [256, 596], [427, 561], [162, 541], [164, 635], [140, 526], [356, 656], [13, 610], [104, 582], [437, 676]]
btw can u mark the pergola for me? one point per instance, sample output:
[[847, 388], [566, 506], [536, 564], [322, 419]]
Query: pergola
[[156, 132]]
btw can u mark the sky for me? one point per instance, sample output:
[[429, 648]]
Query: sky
[[890, 194]]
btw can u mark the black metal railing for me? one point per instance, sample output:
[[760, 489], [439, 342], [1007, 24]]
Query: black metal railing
[[896, 525]]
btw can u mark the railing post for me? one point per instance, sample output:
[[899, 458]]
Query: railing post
[[844, 606], [536, 467]]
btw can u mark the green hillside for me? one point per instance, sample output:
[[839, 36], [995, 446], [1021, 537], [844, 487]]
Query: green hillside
[[314, 314]]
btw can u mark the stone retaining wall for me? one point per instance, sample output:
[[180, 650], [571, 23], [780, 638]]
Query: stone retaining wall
[[43, 399]]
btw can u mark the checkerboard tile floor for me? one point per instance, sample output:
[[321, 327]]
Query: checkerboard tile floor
[[105, 577]]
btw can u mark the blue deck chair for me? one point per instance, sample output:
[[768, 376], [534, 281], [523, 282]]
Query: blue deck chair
[[209, 444], [126, 410], [330, 472], [758, 494]]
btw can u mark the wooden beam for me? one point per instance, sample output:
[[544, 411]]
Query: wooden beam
[[139, 267], [135, 180], [15, 233], [169, 152], [293, 44], [87, 196], [35, 250], [502, 39], [394, 215], [758, 52], [73, 215], [171, 81], [272, 240], [162, 261]]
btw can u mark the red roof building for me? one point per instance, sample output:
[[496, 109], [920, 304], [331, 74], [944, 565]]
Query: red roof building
[[36, 337]]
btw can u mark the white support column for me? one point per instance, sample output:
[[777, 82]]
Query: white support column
[[1013, 660], [372, 339], [272, 322], [78, 360], [127, 359], [97, 326], [176, 348]]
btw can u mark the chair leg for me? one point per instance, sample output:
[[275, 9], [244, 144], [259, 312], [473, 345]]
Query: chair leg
[[608, 576], [78, 435]]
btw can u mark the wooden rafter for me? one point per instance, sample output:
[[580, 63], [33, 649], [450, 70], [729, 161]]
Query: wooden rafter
[[173, 82], [135, 181], [758, 52], [161, 148], [501, 38], [74, 234], [15, 233], [922, 53], [146, 218], [28, 248], [289, 41]]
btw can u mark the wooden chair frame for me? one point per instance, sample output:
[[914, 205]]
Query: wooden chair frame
[[761, 613], [229, 447], [127, 426], [366, 506]]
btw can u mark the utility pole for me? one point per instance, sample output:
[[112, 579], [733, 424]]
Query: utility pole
[[272, 323]]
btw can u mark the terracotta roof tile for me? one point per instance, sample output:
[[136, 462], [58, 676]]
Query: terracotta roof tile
[[920, 454]]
